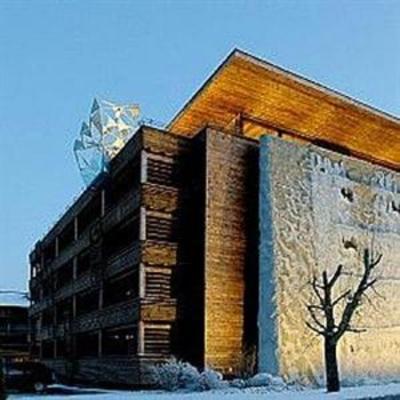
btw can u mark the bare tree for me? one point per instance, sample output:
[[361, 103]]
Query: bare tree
[[323, 319]]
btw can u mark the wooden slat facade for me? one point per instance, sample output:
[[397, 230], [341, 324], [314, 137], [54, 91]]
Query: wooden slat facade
[[231, 243]]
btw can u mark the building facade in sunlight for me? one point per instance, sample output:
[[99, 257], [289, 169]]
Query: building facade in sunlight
[[200, 240]]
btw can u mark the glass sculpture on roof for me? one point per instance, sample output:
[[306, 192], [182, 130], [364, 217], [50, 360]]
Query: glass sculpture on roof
[[110, 127]]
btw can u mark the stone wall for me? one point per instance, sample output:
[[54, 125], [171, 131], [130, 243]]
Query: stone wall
[[319, 209]]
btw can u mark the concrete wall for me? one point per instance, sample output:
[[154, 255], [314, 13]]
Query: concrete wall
[[312, 202]]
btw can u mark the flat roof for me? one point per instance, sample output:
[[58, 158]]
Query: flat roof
[[267, 95], [13, 300]]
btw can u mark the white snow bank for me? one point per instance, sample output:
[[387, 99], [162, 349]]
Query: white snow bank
[[370, 391]]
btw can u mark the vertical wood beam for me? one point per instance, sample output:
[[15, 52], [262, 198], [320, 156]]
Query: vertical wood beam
[[41, 350], [143, 167], [76, 228], [57, 246], [140, 338], [103, 202], [74, 306], [101, 298], [142, 281], [55, 316], [100, 344], [75, 268], [239, 124], [41, 260], [142, 228]]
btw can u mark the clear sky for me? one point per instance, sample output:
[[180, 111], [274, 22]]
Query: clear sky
[[55, 56]]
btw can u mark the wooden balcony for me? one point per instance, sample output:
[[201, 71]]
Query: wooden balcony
[[119, 212], [83, 282], [40, 306], [128, 258], [72, 250], [45, 333], [118, 314]]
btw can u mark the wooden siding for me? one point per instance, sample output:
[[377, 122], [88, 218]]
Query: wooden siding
[[230, 248], [161, 198], [158, 283], [157, 339], [167, 255], [154, 253]]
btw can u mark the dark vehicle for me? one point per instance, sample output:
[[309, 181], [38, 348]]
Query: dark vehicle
[[27, 376]]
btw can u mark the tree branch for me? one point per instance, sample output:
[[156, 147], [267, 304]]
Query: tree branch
[[314, 317], [376, 261], [336, 276], [362, 287], [356, 330], [341, 297], [316, 288], [322, 333]]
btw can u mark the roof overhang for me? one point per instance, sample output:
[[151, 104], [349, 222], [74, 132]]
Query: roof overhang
[[265, 96]]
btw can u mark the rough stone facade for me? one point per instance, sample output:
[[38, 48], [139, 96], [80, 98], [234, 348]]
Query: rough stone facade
[[319, 209]]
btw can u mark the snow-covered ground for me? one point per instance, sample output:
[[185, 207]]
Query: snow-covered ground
[[362, 392]]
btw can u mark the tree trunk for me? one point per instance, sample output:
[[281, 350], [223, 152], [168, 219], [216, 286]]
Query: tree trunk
[[331, 366]]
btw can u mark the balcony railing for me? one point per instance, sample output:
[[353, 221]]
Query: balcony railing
[[113, 217], [72, 250], [120, 262], [120, 211], [40, 306], [124, 260], [45, 333], [83, 282], [117, 314]]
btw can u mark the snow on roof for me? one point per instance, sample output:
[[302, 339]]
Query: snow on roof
[[13, 299]]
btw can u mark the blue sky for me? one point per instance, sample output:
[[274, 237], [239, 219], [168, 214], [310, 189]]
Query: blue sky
[[55, 56]]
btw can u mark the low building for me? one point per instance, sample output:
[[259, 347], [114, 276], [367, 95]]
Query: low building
[[200, 240], [14, 327]]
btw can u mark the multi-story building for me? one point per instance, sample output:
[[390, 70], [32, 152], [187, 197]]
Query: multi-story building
[[14, 328], [102, 285], [199, 240]]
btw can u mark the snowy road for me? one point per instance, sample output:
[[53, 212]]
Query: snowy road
[[386, 392]]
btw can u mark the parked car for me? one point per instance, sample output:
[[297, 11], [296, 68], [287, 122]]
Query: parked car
[[27, 376]]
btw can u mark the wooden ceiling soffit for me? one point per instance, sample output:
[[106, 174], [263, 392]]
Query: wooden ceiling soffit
[[246, 86]]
